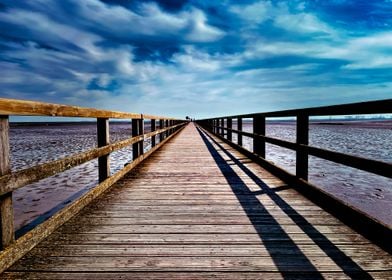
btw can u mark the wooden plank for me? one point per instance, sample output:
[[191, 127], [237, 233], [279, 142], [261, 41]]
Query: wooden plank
[[145, 250], [222, 220], [278, 239], [79, 227], [146, 275], [381, 275], [204, 263], [7, 234]]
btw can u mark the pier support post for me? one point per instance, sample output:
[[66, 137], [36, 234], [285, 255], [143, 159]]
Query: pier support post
[[137, 129], [302, 139], [153, 128], [229, 125], [103, 140], [7, 233], [259, 128], [239, 127]]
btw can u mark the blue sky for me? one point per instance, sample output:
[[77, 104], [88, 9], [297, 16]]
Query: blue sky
[[197, 57]]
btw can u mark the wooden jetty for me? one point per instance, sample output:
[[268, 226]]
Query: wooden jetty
[[195, 206]]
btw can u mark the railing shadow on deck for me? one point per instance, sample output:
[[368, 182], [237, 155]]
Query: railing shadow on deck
[[250, 204], [377, 231]]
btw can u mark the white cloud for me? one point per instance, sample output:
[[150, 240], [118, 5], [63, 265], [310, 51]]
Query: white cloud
[[150, 20], [199, 30], [41, 28], [192, 60], [296, 21], [255, 13], [303, 23]]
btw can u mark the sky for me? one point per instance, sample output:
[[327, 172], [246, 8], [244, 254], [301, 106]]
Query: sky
[[199, 58]]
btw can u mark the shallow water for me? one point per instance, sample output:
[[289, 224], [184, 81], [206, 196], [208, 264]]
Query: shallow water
[[32, 145]]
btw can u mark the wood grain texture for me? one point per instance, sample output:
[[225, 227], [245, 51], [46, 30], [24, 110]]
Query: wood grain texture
[[197, 209], [33, 108], [7, 234]]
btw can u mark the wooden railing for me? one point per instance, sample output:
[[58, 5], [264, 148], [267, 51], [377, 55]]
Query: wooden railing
[[222, 127], [10, 181]]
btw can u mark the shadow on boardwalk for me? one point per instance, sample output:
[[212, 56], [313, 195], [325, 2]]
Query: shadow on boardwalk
[[251, 203]]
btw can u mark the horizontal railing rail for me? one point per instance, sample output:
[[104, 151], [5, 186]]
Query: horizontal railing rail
[[18, 107], [12, 249], [222, 127], [365, 164]]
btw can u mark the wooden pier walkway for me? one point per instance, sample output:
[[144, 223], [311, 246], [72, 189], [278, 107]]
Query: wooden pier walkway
[[199, 209]]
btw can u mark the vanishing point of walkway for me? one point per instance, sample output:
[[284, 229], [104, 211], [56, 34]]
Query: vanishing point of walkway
[[198, 209]]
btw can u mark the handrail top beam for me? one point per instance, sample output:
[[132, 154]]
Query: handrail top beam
[[369, 107], [19, 107]]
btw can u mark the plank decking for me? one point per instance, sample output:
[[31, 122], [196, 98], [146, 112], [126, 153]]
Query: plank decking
[[199, 209]]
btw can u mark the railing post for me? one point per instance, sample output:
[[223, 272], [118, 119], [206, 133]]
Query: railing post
[[161, 135], [167, 131], [239, 127], [229, 125], [103, 140], [7, 234], [137, 129], [259, 128], [222, 132], [153, 128], [302, 139]]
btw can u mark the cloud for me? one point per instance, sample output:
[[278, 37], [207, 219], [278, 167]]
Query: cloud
[[281, 16]]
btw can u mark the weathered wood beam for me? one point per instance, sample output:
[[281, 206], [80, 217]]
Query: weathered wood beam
[[7, 234], [33, 108]]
